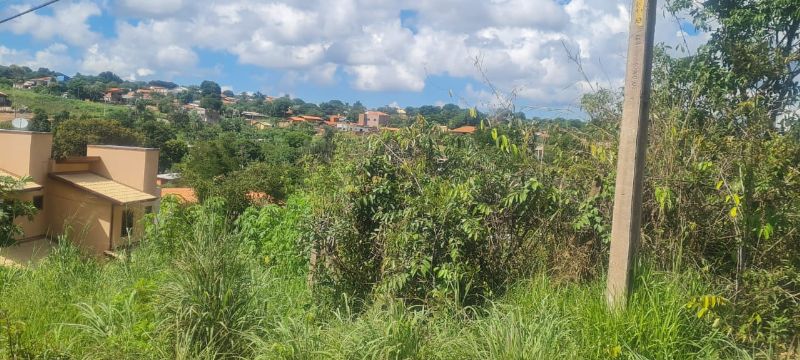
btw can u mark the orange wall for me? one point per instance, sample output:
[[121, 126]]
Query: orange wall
[[41, 149], [138, 228], [62, 168], [25, 153], [135, 167], [36, 227], [84, 217]]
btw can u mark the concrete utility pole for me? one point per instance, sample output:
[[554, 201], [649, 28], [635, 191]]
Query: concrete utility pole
[[626, 223]]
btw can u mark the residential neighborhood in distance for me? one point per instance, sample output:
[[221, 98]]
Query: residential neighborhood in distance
[[383, 179]]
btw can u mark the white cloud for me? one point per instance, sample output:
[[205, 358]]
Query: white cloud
[[68, 22], [155, 8], [360, 43]]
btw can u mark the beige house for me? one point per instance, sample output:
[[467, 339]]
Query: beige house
[[98, 199], [373, 119]]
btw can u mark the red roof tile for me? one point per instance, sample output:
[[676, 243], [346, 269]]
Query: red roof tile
[[185, 195], [464, 130]]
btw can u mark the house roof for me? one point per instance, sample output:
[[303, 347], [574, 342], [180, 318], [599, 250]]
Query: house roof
[[186, 195], [3, 94], [296, 118], [27, 186], [464, 130], [311, 118], [169, 176], [380, 113], [103, 187]]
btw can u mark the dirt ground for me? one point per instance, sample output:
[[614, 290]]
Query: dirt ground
[[6, 116]]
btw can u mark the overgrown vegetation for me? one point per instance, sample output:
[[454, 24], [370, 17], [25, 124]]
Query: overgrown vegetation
[[420, 244]]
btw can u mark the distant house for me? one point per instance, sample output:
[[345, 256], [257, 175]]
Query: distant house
[[373, 119], [4, 100], [402, 113], [163, 179], [312, 119], [261, 125], [129, 96], [464, 130], [98, 199], [196, 109], [32, 83], [145, 94], [158, 90], [228, 100], [343, 126], [42, 81], [177, 90], [184, 195], [253, 116], [113, 95], [334, 119]]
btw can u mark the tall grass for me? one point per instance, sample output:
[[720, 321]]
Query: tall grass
[[211, 300], [54, 104], [536, 320], [207, 300]]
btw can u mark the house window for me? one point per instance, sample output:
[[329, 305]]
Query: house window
[[38, 202], [127, 223]]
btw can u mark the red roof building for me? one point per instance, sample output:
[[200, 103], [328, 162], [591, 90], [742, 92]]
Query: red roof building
[[463, 130]]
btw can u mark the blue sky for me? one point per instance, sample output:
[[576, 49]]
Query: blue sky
[[379, 52]]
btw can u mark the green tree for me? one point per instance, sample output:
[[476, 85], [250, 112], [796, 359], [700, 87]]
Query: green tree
[[11, 207], [156, 133], [109, 77], [279, 107], [40, 121], [752, 53], [172, 152], [60, 118], [211, 96], [355, 110], [179, 119], [73, 136]]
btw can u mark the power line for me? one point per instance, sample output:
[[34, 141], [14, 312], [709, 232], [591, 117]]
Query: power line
[[29, 10]]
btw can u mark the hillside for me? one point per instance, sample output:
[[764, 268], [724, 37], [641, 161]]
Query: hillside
[[55, 104]]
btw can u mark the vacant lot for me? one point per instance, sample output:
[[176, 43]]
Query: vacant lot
[[55, 104]]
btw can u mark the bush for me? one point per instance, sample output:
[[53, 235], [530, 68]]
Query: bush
[[206, 303]]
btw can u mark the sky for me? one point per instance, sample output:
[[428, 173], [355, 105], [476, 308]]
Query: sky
[[380, 52]]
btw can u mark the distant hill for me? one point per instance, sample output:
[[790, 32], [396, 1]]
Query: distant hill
[[55, 104]]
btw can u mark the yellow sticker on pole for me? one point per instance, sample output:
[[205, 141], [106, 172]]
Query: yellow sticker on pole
[[638, 9]]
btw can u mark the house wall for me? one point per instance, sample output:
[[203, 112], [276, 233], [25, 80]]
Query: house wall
[[85, 218], [26, 153], [37, 227], [134, 167], [377, 120], [138, 220], [73, 167]]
